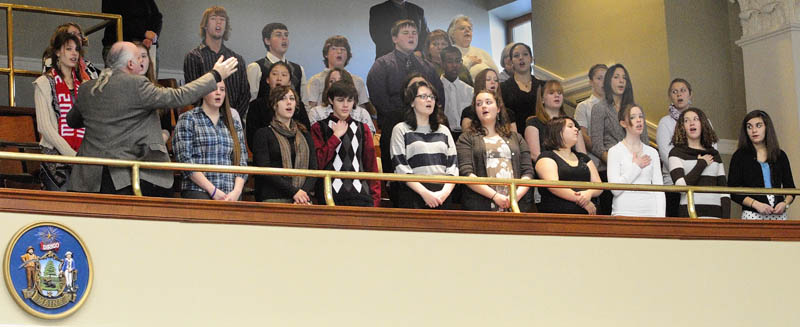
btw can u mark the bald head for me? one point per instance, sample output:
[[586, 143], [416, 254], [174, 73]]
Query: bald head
[[123, 56]]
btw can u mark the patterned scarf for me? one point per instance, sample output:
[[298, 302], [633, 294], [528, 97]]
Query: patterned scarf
[[63, 104], [83, 69], [301, 148], [674, 112]]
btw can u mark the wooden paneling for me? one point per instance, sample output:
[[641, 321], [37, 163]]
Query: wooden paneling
[[18, 133], [196, 211]]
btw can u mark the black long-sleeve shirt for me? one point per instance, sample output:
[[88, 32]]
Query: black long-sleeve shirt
[[138, 17]]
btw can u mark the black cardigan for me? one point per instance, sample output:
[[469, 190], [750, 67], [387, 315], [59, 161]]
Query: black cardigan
[[267, 153], [745, 171]]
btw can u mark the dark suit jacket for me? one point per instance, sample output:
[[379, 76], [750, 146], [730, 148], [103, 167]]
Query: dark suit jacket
[[122, 123], [138, 17], [382, 18]]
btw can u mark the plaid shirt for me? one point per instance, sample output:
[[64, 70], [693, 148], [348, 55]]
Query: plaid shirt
[[201, 60], [197, 140]]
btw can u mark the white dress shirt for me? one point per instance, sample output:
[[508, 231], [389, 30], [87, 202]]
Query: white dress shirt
[[254, 75], [457, 95]]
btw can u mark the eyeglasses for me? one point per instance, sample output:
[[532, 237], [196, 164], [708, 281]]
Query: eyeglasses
[[426, 96]]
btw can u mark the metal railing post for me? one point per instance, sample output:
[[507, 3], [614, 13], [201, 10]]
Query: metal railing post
[[512, 194], [137, 187], [690, 204], [10, 43], [119, 29], [329, 191]]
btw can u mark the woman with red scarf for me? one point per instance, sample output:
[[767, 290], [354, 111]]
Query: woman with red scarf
[[85, 67], [54, 95]]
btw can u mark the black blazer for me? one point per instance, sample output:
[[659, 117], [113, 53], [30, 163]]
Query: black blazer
[[745, 171], [138, 17]]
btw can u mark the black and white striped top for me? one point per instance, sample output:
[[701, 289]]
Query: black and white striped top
[[422, 151], [686, 169]]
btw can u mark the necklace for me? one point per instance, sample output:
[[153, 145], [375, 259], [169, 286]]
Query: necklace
[[563, 153], [635, 148], [524, 80]]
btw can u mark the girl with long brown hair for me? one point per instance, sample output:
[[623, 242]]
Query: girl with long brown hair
[[284, 143], [490, 148], [694, 161], [54, 95], [211, 134], [760, 162]]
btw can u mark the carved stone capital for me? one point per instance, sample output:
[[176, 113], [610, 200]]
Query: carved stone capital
[[764, 16]]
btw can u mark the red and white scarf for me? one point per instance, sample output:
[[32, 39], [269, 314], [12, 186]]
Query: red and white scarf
[[64, 99]]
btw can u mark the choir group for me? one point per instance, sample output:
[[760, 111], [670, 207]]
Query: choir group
[[442, 108]]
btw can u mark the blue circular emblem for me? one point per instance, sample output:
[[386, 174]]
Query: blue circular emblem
[[48, 270]]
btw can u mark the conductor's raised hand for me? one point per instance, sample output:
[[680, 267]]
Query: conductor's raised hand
[[226, 68]]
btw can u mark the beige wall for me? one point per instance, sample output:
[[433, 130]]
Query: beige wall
[[702, 50], [161, 274], [569, 36]]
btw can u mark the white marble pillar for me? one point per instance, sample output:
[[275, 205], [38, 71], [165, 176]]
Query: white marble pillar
[[771, 49]]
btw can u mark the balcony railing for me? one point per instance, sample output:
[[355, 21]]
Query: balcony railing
[[328, 175]]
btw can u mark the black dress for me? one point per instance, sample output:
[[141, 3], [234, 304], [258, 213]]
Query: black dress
[[554, 204], [541, 127], [521, 103]]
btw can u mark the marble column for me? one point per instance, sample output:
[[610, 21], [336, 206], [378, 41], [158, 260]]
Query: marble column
[[771, 52]]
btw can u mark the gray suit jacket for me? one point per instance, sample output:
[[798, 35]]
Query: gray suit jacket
[[122, 123]]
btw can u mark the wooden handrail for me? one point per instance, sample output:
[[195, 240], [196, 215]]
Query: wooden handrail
[[393, 219]]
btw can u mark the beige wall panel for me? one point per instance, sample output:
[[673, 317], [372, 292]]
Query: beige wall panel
[[569, 36], [700, 50], [165, 273]]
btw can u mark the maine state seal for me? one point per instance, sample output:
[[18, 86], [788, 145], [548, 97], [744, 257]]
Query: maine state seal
[[48, 270]]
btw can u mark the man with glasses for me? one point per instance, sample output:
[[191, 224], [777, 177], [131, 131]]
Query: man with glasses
[[335, 54]]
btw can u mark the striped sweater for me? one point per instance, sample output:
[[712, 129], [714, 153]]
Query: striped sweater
[[686, 169], [422, 151]]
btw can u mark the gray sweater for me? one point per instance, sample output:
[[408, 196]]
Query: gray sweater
[[606, 131]]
